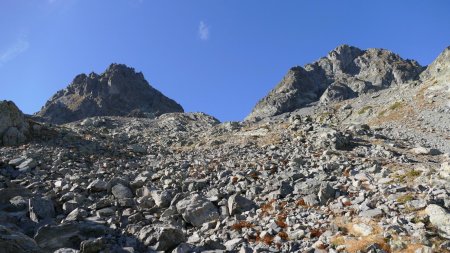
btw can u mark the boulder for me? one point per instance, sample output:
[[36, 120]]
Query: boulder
[[27, 165], [41, 209], [16, 242], [238, 204], [168, 238], [444, 171], [13, 137], [68, 235], [440, 218], [13, 126], [97, 186], [326, 192], [362, 229], [162, 198], [197, 210], [121, 192]]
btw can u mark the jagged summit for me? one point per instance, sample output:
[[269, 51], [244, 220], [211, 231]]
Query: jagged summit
[[119, 91], [344, 73], [439, 68]]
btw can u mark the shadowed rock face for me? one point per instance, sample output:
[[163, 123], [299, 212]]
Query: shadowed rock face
[[119, 91], [13, 126], [344, 73]]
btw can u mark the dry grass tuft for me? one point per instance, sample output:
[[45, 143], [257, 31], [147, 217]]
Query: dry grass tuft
[[301, 202], [364, 109], [268, 207], [360, 244], [396, 105], [242, 224], [283, 235], [316, 232], [267, 239], [405, 198]]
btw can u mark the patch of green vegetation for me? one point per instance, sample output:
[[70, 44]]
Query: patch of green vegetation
[[381, 114], [364, 109], [405, 198], [408, 176], [324, 117], [396, 105]]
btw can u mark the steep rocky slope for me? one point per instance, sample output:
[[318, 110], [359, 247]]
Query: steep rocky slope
[[119, 91], [346, 72], [185, 183], [418, 110]]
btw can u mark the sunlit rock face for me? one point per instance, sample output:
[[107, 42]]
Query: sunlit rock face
[[344, 73]]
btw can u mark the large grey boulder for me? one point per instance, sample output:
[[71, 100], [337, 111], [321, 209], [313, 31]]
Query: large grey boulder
[[238, 204], [97, 186], [344, 73], [161, 237], [121, 192], [69, 235], [440, 218], [197, 210], [16, 242], [41, 209], [119, 91], [13, 126]]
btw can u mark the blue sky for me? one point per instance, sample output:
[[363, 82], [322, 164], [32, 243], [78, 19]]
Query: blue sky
[[214, 56]]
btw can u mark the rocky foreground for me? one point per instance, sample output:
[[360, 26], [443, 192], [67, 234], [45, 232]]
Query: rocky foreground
[[361, 164], [185, 183]]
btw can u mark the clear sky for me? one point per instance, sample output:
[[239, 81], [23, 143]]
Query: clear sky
[[215, 56]]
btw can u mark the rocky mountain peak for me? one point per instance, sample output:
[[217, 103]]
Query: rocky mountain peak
[[344, 55], [439, 66], [118, 91], [345, 72]]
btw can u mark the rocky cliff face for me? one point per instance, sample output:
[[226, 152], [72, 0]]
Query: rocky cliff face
[[119, 91], [346, 72], [13, 126], [439, 69]]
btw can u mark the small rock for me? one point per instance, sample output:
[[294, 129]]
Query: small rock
[[97, 186], [425, 151], [371, 213], [363, 229], [27, 165], [121, 192]]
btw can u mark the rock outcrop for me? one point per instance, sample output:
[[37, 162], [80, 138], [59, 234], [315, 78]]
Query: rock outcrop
[[119, 91], [344, 73], [439, 68], [13, 125]]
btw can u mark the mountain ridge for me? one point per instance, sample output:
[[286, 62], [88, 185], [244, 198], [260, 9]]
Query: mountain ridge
[[345, 72]]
